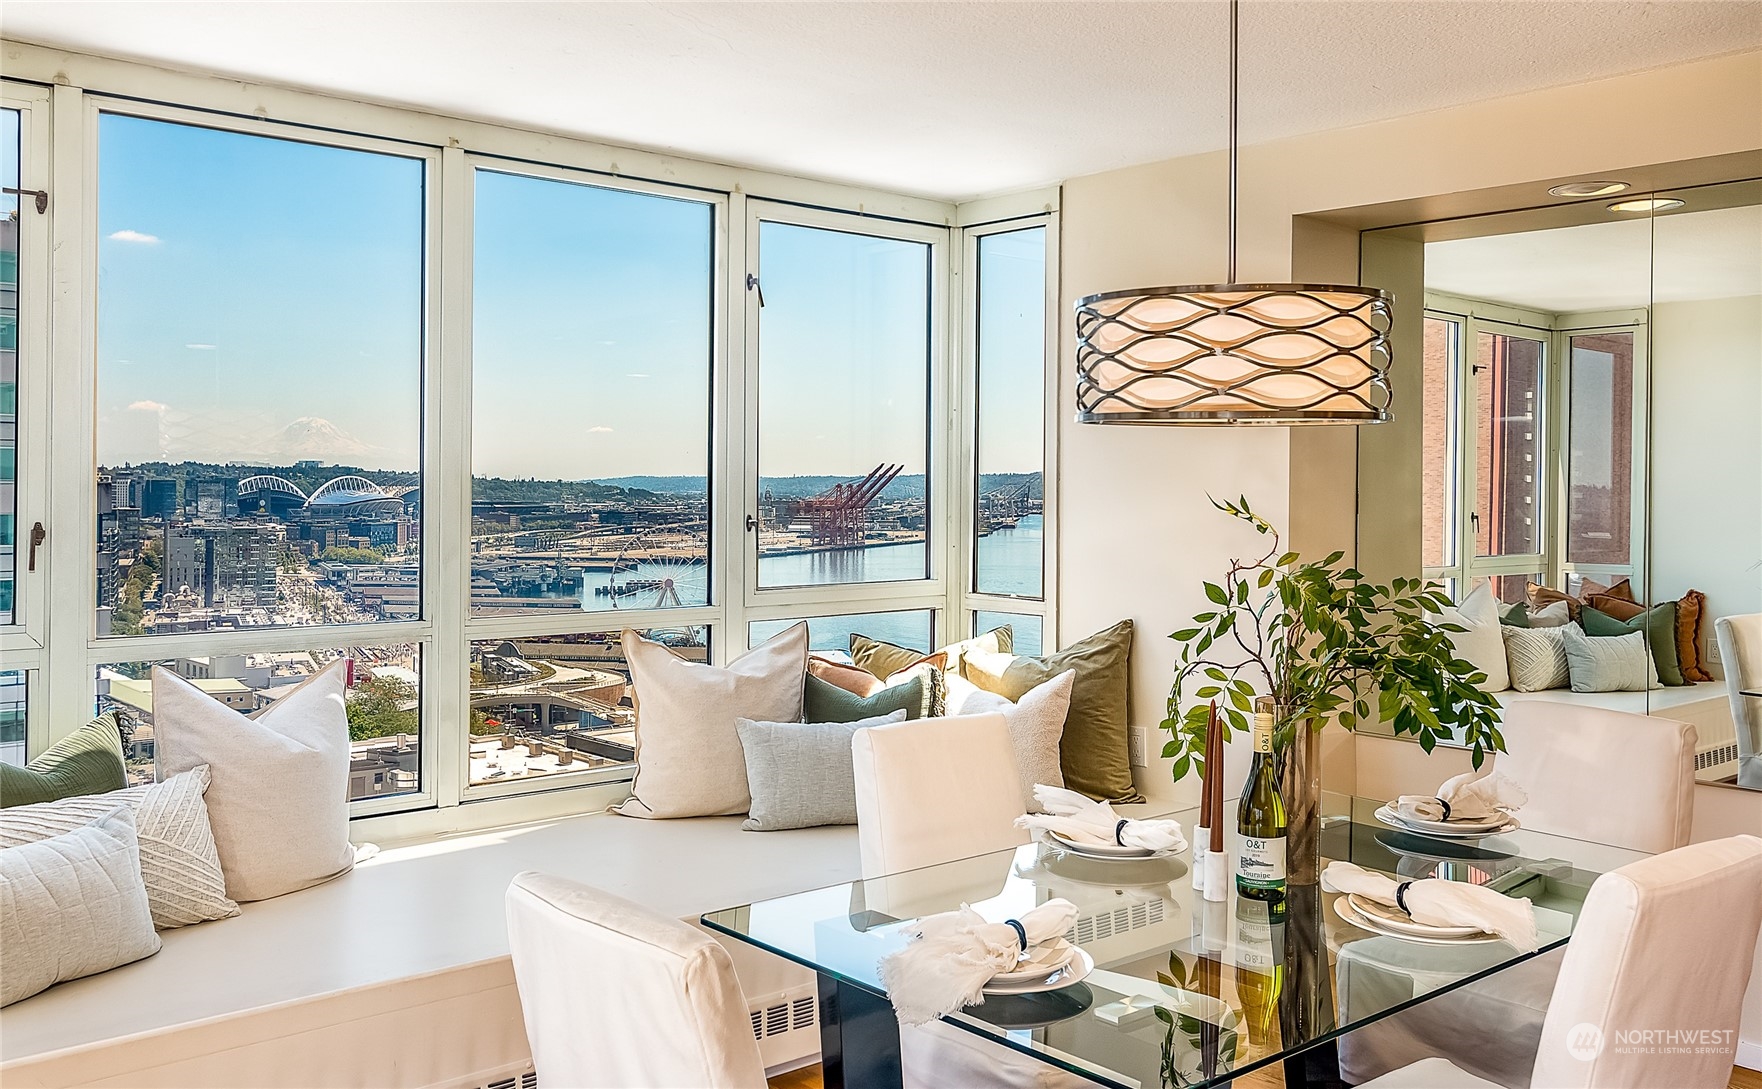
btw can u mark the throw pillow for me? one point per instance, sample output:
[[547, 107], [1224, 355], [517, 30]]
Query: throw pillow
[[72, 905], [1689, 611], [688, 761], [1036, 724], [1556, 615], [1659, 624], [1620, 663], [1621, 591], [1542, 596], [1618, 607], [278, 799], [87, 761], [179, 864], [1093, 751], [851, 678], [800, 773], [884, 659], [1479, 643], [917, 694], [1536, 658]]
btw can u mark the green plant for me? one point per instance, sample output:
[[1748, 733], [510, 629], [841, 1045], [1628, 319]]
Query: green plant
[[1321, 640]]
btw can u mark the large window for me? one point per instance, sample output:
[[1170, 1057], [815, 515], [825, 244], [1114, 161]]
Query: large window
[[1010, 357], [1600, 449], [9, 224]]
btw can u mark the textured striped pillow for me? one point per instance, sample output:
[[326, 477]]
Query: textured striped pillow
[[1536, 658], [179, 863], [1613, 663]]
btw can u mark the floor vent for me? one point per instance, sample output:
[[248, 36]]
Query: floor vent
[[1712, 758], [1120, 920], [783, 1017]]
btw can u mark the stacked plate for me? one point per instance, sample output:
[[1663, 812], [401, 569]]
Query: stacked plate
[[1046, 967], [1390, 815], [1103, 851], [1391, 922]]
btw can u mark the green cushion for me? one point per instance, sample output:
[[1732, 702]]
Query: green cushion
[[1518, 616], [884, 659], [920, 697], [88, 761], [1094, 752], [1659, 624]]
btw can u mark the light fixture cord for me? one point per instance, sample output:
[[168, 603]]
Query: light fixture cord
[[1234, 81]]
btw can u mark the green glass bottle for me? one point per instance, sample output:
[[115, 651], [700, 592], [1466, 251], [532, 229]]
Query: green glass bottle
[[1260, 820]]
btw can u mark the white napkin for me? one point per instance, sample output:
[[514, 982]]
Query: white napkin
[[1442, 903], [1470, 797], [950, 956], [1084, 820]]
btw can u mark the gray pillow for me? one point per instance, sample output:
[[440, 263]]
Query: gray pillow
[[1610, 663], [799, 773]]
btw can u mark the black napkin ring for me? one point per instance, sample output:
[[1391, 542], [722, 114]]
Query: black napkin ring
[[1117, 829], [1446, 806], [1021, 932], [1401, 896]]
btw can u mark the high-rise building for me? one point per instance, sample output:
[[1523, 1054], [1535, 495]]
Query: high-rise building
[[158, 497]]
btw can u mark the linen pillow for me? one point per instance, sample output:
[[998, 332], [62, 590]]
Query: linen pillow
[[179, 864], [1659, 624], [852, 678], [917, 694], [1536, 658], [72, 905], [278, 799], [884, 659], [688, 761], [87, 761], [1618, 607], [1480, 645], [1620, 663], [1036, 724], [1689, 611], [1621, 591], [1543, 596], [1093, 751], [800, 773]]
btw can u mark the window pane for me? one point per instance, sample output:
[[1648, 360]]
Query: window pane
[[1438, 407], [1011, 427], [831, 634], [260, 332], [1025, 626], [9, 224], [1508, 388], [844, 372], [1512, 589], [1600, 449], [592, 328], [384, 705], [550, 704], [13, 701]]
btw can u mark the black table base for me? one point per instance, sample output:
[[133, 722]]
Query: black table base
[[859, 1038]]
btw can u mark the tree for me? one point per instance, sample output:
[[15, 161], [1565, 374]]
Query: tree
[[382, 707], [347, 554]]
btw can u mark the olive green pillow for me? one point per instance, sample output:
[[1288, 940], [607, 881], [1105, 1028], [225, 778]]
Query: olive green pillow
[[1094, 753], [1659, 624], [921, 695], [884, 659], [87, 761]]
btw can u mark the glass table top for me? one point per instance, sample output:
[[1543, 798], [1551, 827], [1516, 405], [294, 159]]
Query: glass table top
[[1187, 992]]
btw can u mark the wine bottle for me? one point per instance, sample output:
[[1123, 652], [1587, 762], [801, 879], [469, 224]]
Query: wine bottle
[[1260, 821], [1260, 969]]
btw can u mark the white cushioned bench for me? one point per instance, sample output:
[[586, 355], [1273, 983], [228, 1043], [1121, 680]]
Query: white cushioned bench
[[1706, 706], [396, 974]]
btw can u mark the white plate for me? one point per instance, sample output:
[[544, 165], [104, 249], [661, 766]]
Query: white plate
[[1398, 920], [1345, 911], [1074, 972], [1098, 850], [1046, 960], [1447, 829]]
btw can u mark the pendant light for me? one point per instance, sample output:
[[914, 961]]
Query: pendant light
[[1234, 353]]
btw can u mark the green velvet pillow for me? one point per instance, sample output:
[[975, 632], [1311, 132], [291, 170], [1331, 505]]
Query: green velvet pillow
[[1659, 624], [88, 761], [1094, 752], [922, 696], [1518, 616]]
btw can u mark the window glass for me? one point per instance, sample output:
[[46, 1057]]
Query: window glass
[[831, 634], [384, 705], [1009, 554], [844, 380], [592, 328], [13, 702], [1025, 627], [259, 400], [1600, 449], [9, 224], [1512, 589], [1508, 388], [1438, 428]]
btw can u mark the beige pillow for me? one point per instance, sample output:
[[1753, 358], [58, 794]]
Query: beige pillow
[[689, 762], [1036, 725], [883, 659], [179, 863], [73, 905], [1536, 658], [1479, 644], [279, 799]]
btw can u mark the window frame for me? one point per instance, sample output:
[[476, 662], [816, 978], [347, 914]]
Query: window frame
[[1567, 327]]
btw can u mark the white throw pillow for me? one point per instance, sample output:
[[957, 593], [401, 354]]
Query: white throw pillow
[[688, 757], [1537, 658], [179, 863], [1609, 663], [1036, 725], [279, 799], [1480, 645], [73, 905], [1555, 615]]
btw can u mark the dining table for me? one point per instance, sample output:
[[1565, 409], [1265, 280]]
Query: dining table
[[1184, 990]]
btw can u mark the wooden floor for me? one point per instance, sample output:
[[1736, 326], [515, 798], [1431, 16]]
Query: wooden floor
[[808, 1077]]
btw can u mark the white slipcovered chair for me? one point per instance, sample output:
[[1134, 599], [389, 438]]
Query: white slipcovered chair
[[1591, 774], [1663, 944], [1740, 649]]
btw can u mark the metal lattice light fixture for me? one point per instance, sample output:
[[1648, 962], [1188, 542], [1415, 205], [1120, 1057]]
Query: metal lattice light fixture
[[1234, 353]]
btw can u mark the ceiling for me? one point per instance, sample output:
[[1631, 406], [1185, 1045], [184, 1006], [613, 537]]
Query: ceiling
[[1607, 266], [949, 100]]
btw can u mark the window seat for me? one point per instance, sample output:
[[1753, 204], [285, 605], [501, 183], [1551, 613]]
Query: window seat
[[1706, 706], [394, 975]]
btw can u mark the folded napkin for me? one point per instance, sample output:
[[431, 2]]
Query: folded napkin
[[950, 956], [1468, 797], [1084, 820], [1441, 903]]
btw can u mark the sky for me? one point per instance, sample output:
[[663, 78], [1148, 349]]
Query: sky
[[260, 300]]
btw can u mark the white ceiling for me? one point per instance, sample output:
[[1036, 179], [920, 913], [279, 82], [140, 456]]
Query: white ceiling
[[949, 100], [1606, 266]]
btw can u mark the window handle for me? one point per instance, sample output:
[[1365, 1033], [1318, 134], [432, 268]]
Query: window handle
[[42, 197], [37, 535], [751, 523]]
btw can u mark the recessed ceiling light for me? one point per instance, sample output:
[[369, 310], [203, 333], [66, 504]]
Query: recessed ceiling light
[[1589, 189], [1646, 204]]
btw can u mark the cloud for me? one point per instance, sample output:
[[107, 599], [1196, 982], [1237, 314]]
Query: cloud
[[599, 431], [146, 406], [636, 376], [202, 347], [140, 237]]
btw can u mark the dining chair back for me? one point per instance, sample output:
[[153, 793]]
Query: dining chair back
[[1740, 651], [616, 996]]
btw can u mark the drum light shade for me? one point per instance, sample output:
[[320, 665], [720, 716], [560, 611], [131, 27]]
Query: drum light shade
[[1234, 354]]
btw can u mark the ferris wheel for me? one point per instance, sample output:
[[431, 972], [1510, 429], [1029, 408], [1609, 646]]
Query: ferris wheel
[[662, 569]]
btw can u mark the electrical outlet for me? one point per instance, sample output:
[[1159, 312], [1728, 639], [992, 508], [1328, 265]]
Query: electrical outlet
[[1138, 742]]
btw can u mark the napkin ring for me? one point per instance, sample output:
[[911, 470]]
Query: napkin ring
[[1446, 806], [1117, 829], [1021, 932], [1401, 897]]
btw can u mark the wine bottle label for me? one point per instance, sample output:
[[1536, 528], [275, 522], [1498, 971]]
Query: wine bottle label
[[1254, 945], [1260, 864]]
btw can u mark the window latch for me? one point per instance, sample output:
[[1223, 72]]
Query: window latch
[[41, 195], [752, 284], [37, 535], [752, 524]]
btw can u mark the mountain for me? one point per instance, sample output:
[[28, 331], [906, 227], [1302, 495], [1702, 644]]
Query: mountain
[[314, 438]]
